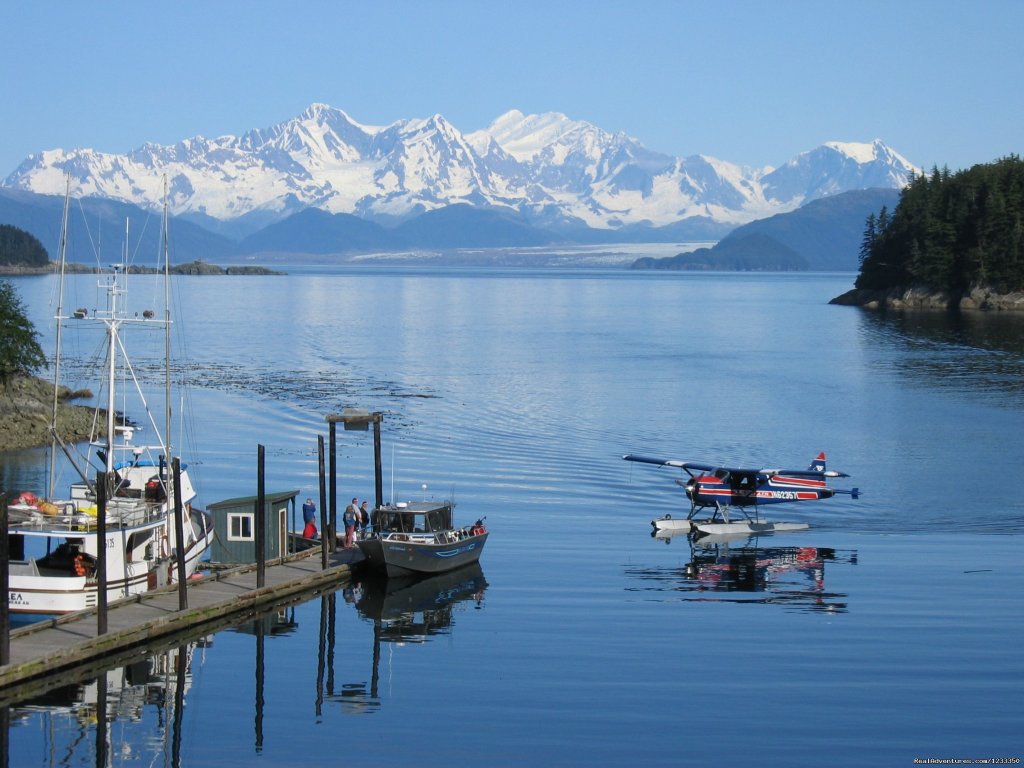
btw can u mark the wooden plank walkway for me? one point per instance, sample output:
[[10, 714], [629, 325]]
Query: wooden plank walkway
[[47, 647]]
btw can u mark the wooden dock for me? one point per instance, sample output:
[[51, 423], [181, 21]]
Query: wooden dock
[[49, 647]]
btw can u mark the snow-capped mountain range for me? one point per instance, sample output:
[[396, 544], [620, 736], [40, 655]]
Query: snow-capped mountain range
[[553, 170]]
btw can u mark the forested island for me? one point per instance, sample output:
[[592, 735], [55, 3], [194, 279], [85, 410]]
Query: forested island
[[955, 240], [21, 253]]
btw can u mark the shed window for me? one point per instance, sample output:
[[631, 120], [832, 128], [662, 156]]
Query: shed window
[[240, 527]]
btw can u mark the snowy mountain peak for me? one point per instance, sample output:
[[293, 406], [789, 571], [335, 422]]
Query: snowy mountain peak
[[524, 137], [866, 153], [546, 166]]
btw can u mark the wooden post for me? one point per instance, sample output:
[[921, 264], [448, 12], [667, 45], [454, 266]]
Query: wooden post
[[334, 486], [261, 502], [5, 607], [179, 537], [102, 495], [323, 503], [378, 474]]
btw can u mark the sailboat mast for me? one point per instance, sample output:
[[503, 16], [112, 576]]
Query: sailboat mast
[[112, 342], [167, 334], [51, 483]]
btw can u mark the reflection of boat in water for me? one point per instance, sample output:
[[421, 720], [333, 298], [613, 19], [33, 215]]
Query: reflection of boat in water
[[411, 609], [793, 575], [418, 538], [408, 610], [145, 698]]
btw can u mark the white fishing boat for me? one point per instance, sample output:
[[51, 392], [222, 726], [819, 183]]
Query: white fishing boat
[[54, 539]]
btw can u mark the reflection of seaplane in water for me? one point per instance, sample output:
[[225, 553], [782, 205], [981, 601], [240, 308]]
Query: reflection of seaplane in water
[[728, 489], [788, 574]]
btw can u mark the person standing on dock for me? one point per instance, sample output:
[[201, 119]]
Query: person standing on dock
[[309, 512], [349, 519], [364, 519]]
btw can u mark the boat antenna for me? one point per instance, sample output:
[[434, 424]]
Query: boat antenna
[[392, 475]]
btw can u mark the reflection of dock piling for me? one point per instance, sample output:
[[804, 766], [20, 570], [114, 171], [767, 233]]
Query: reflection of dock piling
[[44, 648]]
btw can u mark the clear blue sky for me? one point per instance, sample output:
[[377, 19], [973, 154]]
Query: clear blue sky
[[753, 83]]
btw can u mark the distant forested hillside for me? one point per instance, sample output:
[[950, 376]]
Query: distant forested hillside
[[951, 233], [825, 234], [19, 248]]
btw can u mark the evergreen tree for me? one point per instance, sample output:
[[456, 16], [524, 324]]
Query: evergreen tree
[[870, 236], [951, 232], [19, 345]]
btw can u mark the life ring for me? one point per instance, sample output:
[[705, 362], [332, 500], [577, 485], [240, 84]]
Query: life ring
[[478, 530], [165, 547]]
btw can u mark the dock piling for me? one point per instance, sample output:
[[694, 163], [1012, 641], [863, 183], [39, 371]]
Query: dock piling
[[103, 489], [333, 486], [5, 608], [179, 537], [324, 531], [378, 474], [261, 497]]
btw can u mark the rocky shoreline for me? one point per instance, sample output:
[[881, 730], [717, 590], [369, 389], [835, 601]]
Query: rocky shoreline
[[980, 299], [26, 405]]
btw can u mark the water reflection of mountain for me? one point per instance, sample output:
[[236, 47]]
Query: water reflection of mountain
[[747, 570]]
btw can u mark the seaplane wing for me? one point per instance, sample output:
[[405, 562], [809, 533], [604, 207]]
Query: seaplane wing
[[671, 463], [801, 473]]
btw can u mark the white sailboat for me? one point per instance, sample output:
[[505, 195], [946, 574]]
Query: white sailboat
[[54, 541]]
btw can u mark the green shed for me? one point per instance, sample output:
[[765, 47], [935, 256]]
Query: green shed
[[234, 521]]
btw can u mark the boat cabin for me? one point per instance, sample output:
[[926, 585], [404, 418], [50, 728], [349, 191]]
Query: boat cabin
[[413, 517]]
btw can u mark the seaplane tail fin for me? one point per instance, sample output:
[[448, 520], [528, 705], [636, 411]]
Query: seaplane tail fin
[[818, 463]]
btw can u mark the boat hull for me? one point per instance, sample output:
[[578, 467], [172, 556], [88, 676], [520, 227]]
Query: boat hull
[[407, 558], [34, 596]]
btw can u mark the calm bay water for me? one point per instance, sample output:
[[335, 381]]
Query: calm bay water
[[888, 632]]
